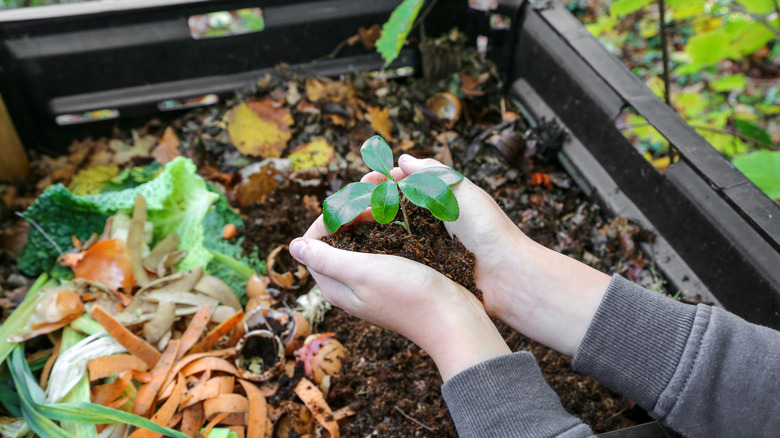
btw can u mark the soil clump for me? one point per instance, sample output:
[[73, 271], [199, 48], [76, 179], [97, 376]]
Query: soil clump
[[429, 244]]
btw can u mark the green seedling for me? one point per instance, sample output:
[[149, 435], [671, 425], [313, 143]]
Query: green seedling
[[428, 188]]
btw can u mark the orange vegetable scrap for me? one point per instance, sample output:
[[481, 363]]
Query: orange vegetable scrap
[[213, 423], [133, 343], [107, 262], [209, 364], [540, 179], [186, 360], [229, 403], [50, 363], [165, 413], [147, 394], [195, 330], [257, 411], [107, 366], [314, 400], [229, 231], [218, 332], [192, 419], [209, 389], [108, 393]]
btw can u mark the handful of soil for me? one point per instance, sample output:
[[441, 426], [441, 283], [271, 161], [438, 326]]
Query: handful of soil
[[429, 244]]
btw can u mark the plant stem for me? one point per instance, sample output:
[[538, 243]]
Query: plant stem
[[406, 218], [664, 49]]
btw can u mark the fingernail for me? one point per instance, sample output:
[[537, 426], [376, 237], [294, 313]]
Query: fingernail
[[297, 249], [405, 158]]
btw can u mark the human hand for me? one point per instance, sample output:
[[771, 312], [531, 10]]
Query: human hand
[[440, 316], [539, 292]]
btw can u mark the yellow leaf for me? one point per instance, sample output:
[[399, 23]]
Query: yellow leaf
[[380, 121], [92, 180], [326, 90], [662, 163], [256, 136], [656, 85], [317, 153]]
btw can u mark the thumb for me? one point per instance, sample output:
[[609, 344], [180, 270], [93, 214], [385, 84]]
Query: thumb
[[318, 256], [409, 164]]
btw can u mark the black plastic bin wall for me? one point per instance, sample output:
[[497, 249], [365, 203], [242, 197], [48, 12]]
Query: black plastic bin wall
[[718, 236]]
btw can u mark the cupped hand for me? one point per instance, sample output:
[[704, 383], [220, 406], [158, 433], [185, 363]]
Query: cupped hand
[[440, 316], [543, 294], [482, 227]]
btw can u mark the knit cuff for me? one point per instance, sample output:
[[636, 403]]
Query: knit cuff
[[635, 341], [508, 397]]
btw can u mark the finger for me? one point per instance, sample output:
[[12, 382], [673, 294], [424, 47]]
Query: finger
[[336, 293], [378, 178], [353, 269], [340, 265], [317, 229], [409, 164]]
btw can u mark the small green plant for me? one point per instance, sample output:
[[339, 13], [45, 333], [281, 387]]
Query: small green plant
[[428, 188]]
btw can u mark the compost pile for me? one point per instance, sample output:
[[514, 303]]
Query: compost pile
[[166, 298]]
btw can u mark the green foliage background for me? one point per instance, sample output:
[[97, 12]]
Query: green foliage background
[[724, 73]]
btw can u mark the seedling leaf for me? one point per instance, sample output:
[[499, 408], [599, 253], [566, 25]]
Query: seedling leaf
[[430, 192], [346, 204], [377, 155], [449, 176], [384, 202]]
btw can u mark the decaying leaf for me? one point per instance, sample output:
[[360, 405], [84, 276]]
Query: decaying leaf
[[321, 89], [124, 153], [168, 147], [260, 184], [368, 36], [260, 128], [471, 85], [54, 311], [316, 153], [92, 180], [380, 121]]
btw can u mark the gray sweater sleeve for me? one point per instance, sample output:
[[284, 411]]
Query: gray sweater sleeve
[[507, 397], [700, 370]]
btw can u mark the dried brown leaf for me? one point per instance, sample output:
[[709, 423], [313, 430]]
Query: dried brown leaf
[[168, 148], [380, 121]]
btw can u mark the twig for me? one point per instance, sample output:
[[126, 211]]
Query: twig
[[758, 17], [664, 49], [777, 12], [421, 17], [710, 129], [40, 230], [336, 51], [413, 419]]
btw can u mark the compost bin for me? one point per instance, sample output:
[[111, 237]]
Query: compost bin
[[717, 237]]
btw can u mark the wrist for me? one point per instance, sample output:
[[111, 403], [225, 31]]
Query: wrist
[[551, 298], [464, 337]]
